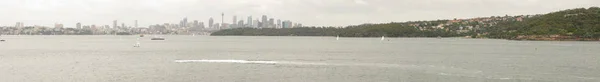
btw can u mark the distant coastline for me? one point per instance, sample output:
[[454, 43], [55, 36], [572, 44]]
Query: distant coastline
[[580, 24]]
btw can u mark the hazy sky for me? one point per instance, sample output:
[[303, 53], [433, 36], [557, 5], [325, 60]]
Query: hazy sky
[[308, 12]]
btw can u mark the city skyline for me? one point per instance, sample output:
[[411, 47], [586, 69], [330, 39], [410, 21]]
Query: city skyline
[[309, 12], [182, 23]]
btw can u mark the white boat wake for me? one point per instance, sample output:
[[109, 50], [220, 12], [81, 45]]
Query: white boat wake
[[228, 61]]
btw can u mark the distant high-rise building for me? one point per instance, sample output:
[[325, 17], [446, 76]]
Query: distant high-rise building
[[19, 25], [249, 21], [201, 24], [217, 25], [195, 25], [234, 20], [278, 23], [271, 23], [123, 25], [241, 23], [136, 24], [211, 23], [78, 26], [264, 21], [255, 24], [184, 22], [287, 24], [115, 24]]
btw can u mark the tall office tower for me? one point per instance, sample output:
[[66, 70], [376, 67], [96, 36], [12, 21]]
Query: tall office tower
[[78, 25], [241, 23], [115, 24], [136, 24], [123, 25], [264, 21], [287, 24], [18, 25], [195, 25], [271, 23], [234, 20], [217, 25], [211, 22], [255, 24], [184, 22], [201, 24], [278, 23], [249, 21]]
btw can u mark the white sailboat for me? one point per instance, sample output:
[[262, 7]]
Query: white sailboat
[[2, 40], [137, 44], [337, 38], [382, 38]]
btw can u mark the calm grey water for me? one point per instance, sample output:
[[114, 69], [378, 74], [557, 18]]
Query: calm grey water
[[294, 59]]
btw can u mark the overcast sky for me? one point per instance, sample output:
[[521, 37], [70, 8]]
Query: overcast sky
[[307, 12]]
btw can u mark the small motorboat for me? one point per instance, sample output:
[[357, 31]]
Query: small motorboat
[[157, 38], [2, 40], [142, 35]]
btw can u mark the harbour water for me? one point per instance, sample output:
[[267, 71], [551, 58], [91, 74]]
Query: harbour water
[[294, 59]]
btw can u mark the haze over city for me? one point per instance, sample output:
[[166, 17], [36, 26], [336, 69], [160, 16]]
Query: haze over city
[[307, 12]]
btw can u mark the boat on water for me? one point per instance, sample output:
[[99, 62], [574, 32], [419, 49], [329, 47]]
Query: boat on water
[[382, 38], [137, 44], [337, 38], [157, 38], [141, 35], [2, 40]]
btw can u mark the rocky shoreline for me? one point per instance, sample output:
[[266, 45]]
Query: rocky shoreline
[[552, 38]]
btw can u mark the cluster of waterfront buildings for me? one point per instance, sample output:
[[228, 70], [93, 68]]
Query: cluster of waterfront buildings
[[465, 25], [184, 26]]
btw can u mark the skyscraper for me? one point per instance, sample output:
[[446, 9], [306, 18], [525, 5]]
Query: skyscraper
[[201, 24], [249, 21], [115, 24], [234, 20], [287, 24], [255, 24], [78, 26], [184, 22], [195, 25], [278, 23], [211, 22], [264, 21], [123, 25], [271, 23], [18, 25], [241, 23], [136, 24]]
